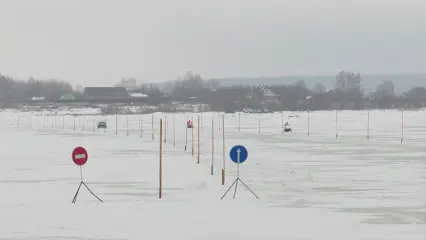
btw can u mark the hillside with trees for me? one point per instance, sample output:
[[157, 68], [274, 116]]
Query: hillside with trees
[[347, 93]]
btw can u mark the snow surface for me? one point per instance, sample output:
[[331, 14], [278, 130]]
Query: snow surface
[[310, 187]]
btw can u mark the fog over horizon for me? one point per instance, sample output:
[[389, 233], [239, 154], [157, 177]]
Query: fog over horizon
[[98, 42]]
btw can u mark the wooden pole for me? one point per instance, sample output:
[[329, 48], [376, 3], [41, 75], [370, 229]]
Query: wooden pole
[[127, 125], [199, 127], [337, 120], [223, 149], [174, 131], [105, 122], [402, 126], [152, 130], [212, 147], [368, 125], [161, 161], [185, 125], [192, 140], [167, 123], [74, 122], [84, 122], [259, 121], [239, 122], [165, 129], [141, 124], [309, 123], [282, 122]]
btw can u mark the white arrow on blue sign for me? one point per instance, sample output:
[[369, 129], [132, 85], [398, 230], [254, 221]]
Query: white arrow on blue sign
[[238, 154]]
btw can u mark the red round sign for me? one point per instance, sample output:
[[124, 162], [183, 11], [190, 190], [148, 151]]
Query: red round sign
[[79, 156]]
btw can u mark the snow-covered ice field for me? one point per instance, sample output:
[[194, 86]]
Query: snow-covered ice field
[[310, 187]]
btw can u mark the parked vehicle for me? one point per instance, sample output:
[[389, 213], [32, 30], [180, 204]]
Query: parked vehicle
[[102, 125]]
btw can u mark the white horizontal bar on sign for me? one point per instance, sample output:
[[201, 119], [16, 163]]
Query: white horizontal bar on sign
[[80, 156]]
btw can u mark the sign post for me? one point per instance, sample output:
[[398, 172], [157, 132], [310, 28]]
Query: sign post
[[238, 155], [79, 157]]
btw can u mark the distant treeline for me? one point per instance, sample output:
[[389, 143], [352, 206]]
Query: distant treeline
[[192, 89], [13, 89], [347, 94]]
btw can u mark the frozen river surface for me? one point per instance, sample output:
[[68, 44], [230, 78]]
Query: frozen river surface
[[333, 184]]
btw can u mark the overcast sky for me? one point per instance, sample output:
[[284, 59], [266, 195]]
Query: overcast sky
[[97, 42]]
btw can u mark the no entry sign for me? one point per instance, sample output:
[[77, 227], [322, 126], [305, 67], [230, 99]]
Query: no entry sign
[[79, 156]]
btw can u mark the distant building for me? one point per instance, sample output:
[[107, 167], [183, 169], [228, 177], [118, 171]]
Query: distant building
[[67, 97], [106, 93], [37, 99], [270, 97], [138, 95]]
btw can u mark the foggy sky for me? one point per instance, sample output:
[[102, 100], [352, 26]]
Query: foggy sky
[[97, 42]]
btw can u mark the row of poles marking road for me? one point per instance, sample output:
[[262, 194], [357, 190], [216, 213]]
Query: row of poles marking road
[[199, 123], [336, 124]]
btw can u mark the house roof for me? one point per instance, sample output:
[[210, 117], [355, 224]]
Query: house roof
[[68, 96], [268, 92], [105, 92], [138, 95]]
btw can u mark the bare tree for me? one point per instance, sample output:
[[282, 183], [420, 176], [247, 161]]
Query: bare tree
[[191, 85], [79, 88], [385, 91], [348, 90], [416, 94], [348, 81], [129, 83], [12, 89]]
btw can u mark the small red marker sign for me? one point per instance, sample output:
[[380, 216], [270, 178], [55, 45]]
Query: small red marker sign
[[79, 156]]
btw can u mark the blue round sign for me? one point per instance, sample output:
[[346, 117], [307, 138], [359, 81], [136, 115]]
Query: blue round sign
[[238, 154]]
